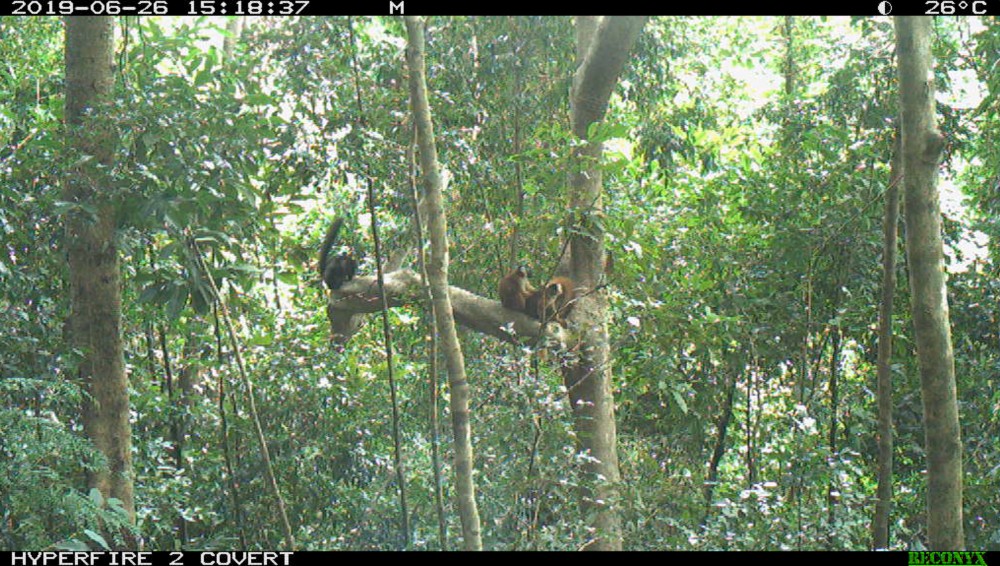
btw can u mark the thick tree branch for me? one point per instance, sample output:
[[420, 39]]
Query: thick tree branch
[[360, 296]]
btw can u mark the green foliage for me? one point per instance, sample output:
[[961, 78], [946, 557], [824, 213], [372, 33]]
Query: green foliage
[[42, 463]]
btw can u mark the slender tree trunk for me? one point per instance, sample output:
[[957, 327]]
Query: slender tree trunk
[[178, 411], [95, 320], [437, 271], [515, 248], [602, 48], [923, 145], [188, 377], [720, 446], [419, 208], [790, 74], [234, 28], [751, 426], [831, 498], [224, 436], [883, 497]]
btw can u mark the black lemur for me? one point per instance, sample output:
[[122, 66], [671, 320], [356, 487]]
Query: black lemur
[[338, 269]]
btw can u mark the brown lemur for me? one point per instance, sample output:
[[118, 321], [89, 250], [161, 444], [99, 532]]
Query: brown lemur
[[554, 301], [551, 302], [514, 289]]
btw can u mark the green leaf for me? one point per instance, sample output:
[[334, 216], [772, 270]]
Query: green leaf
[[97, 538], [603, 131], [96, 497], [203, 77], [288, 277], [258, 99], [261, 340], [680, 401]]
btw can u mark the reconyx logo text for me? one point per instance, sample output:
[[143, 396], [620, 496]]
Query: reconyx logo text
[[947, 558]]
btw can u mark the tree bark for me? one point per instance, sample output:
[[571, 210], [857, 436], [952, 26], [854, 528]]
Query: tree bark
[[883, 495], [923, 145], [602, 48], [437, 273], [95, 319], [487, 316], [234, 28], [834, 386], [719, 451]]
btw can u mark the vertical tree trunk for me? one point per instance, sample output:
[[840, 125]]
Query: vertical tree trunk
[[720, 446], [437, 272], [95, 295], [419, 208], [515, 248], [833, 384], [602, 48], [883, 495], [789, 69], [922, 149], [188, 378], [750, 426], [234, 28]]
